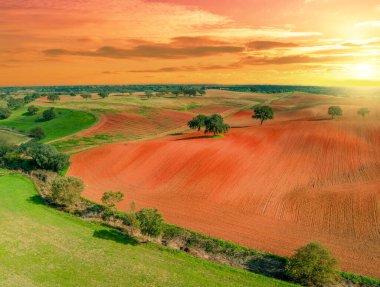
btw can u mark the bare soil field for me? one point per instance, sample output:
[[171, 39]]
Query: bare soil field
[[298, 178]]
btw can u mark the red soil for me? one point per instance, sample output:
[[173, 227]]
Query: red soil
[[273, 188]]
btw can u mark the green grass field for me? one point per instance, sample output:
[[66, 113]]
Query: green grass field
[[40, 246], [12, 138], [68, 122]]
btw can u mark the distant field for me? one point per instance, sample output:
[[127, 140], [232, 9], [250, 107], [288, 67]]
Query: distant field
[[40, 246], [12, 138], [67, 122]]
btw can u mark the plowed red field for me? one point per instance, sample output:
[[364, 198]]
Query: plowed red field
[[296, 179]]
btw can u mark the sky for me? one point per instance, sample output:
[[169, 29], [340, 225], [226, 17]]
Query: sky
[[293, 42]]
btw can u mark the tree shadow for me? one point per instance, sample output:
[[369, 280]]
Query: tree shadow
[[27, 114], [194, 138], [36, 199], [115, 235], [321, 119], [176, 134], [267, 265]]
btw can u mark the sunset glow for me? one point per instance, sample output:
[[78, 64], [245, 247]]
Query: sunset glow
[[307, 42]]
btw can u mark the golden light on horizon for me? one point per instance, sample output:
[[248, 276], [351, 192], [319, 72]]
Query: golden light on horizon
[[363, 71]]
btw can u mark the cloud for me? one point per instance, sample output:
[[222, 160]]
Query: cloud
[[368, 24], [184, 69], [267, 45], [177, 48]]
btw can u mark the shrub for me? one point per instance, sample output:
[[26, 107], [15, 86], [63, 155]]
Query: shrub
[[151, 222], [53, 97], [363, 112], [103, 94], [66, 191], [4, 113], [49, 114], [14, 104], [86, 96], [32, 110], [37, 133], [110, 199], [312, 265]]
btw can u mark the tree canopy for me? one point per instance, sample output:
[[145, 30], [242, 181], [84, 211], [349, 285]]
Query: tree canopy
[[151, 222], [213, 124], [198, 122], [66, 191], [335, 111], [363, 112], [263, 113]]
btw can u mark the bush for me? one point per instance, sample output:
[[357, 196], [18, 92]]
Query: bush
[[53, 97], [66, 191], [4, 113], [14, 104], [312, 265], [49, 114], [110, 199], [37, 133], [151, 222], [32, 110]]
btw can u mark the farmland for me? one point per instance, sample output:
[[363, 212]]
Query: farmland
[[35, 236], [298, 178]]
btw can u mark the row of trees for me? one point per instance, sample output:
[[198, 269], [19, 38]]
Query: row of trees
[[13, 103], [334, 111]]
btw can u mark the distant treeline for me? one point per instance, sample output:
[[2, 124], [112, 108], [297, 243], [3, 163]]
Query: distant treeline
[[187, 89]]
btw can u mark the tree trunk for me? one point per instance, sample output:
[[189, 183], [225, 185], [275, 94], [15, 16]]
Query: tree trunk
[[261, 122]]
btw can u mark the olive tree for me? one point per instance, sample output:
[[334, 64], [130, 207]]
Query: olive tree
[[151, 222], [363, 112], [198, 122], [335, 111], [312, 265], [263, 113], [66, 191], [53, 97], [49, 114], [215, 124]]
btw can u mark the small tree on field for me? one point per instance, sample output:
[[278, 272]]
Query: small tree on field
[[103, 95], [66, 191], [86, 96], [4, 113], [49, 114], [72, 94], [363, 112], [148, 94], [110, 199], [263, 113], [37, 133], [32, 110], [335, 111], [312, 265], [198, 122], [215, 124], [53, 97], [151, 222], [131, 220]]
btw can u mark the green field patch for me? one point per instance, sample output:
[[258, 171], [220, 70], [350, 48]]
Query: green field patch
[[40, 246], [66, 123], [12, 138]]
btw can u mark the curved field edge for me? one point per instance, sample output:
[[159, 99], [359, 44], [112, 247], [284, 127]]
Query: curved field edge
[[68, 122], [40, 246]]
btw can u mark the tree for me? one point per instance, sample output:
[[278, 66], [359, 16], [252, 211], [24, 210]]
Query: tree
[[4, 113], [37, 133], [363, 112], [198, 122], [86, 96], [15, 103], [66, 191], [130, 219], [335, 111], [32, 110], [215, 124], [263, 113], [53, 97], [151, 222], [312, 265], [45, 156], [72, 94], [148, 94], [49, 114], [110, 199], [103, 94]]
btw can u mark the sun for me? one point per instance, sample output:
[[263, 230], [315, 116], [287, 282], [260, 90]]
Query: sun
[[363, 71]]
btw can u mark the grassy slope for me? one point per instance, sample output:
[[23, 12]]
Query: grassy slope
[[9, 137], [67, 122], [40, 246]]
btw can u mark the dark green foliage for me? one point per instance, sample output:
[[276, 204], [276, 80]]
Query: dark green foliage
[[45, 156], [312, 265], [263, 113], [37, 133], [32, 110], [151, 222], [148, 94], [198, 122], [14, 103], [72, 94], [86, 96], [4, 113], [335, 111], [49, 114], [215, 124], [103, 94], [53, 97], [66, 191], [363, 112], [110, 199]]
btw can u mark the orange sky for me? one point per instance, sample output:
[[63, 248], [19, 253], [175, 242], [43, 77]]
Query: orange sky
[[308, 42]]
